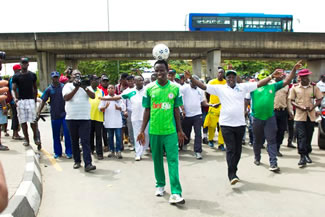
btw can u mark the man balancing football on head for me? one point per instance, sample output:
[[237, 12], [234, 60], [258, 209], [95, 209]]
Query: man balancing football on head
[[162, 100]]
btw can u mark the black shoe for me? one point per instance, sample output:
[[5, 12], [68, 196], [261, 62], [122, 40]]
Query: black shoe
[[302, 162], [234, 180], [279, 154], [90, 167], [205, 140], [308, 160], [274, 168], [290, 145], [76, 165], [100, 157], [243, 142], [263, 147], [257, 162]]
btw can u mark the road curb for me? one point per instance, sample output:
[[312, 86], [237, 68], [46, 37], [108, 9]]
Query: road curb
[[27, 199]]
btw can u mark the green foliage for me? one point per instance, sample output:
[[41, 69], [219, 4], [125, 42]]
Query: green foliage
[[251, 67], [180, 65], [111, 68]]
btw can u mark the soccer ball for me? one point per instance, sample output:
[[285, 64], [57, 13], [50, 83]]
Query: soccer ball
[[160, 52]]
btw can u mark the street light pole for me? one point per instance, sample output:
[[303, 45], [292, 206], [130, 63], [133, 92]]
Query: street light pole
[[107, 15]]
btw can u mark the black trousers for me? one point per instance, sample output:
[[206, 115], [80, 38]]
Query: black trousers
[[281, 122], [14, 121], [96, 128], [104, 133], [80, 129], [233, 140], [187, 124], [305, 130]]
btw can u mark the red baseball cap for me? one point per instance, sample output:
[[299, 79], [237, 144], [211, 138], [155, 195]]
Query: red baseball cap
[[304, 72], [16, 67]]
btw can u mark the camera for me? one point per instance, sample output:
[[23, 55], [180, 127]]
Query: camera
[[81, 81], [2, 55]]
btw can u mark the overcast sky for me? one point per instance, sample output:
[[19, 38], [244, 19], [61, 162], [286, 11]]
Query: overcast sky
[[143, 15]]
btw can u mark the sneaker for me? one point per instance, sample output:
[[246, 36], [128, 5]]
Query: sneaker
[[56, 156], [68, 156], [112, 154], [137, 158], [160, 191], [76, 165], [176, 199], [211, 144], [222, 147], [184, 147], [205, 140], [302, 162], [131, 148], [198, 155], [279, 154], [308, 160], [119, 155], [274, 168], [90, 167], [3, 148], [234, 180], [257, 162]]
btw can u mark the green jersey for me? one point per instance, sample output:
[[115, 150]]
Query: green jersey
[[263, 100], [162, 100]]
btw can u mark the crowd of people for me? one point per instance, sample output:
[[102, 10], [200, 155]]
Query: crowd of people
[[157, 115]]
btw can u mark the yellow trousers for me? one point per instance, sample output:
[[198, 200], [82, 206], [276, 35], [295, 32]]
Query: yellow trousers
[[211, 121]]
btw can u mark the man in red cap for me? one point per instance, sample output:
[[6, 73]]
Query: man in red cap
[[14, 120], [305, 97]]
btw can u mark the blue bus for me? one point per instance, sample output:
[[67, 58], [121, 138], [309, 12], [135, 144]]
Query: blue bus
[[240, 22]]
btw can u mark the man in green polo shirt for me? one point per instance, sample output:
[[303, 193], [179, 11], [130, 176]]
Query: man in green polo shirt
[[264, 121], [162, 100]]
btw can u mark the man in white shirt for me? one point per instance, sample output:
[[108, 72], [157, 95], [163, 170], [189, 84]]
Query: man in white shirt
[[232, 114], [193, 99], [77, 107], [321, 84]]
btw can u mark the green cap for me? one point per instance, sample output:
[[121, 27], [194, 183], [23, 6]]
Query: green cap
[[24, 59], [231, 72], [177, 76]]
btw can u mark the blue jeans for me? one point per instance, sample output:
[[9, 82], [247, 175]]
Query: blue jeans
[[118, 138], [56, 127], [80, 129], [265, 129]]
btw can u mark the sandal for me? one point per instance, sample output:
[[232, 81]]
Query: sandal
[[3, 148]]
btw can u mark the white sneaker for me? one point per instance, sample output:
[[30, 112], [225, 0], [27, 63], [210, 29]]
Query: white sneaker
[[137, 158], [198, 155], [176, 199], [160, 191]]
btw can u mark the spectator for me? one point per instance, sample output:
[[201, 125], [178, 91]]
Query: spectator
[[25, 96], [113, 122], [103, 86], [96, 117], [77, 107], [57, 103]]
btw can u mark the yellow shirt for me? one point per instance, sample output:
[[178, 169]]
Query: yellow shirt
[[213, 98], [95, 113]]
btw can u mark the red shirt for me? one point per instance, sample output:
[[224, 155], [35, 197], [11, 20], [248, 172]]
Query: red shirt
[[103, 89]]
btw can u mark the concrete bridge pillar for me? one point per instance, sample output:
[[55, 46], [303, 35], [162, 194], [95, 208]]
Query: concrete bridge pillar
[[72, 62], [317, 67], [213, 61], [46, 63], [197, 67]]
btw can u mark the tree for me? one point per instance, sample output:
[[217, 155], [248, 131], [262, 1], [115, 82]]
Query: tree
[[180, 65]]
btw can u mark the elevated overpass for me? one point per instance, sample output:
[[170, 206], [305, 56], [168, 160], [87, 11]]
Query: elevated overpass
[[46, 48]]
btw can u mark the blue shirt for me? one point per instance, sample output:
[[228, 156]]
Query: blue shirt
[[57, 102]]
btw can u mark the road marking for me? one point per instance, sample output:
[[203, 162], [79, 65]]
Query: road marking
[[52, 160]]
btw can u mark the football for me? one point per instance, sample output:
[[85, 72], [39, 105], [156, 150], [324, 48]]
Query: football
[[160, 52]]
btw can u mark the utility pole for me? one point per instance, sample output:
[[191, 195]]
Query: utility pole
[[107, 15]]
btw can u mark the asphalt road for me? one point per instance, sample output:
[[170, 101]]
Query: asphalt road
[[126, 188]]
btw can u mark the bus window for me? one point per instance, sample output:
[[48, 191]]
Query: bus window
[[256, 22], [284, 26], [234, 25], [240, 25], [248, 22], [289, 25], [262, 23]]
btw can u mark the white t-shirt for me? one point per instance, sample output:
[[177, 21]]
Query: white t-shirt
[[321, 86], [112, 116], [192, 99], [134, 98], [232, 100], [78, 107]]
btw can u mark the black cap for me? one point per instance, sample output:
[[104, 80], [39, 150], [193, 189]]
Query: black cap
[[104, 77], [24, 60]]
